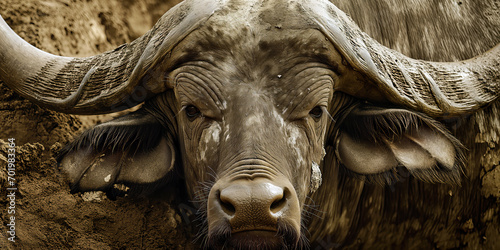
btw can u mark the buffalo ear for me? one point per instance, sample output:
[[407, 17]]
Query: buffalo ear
[[382, 144], [134, 150]]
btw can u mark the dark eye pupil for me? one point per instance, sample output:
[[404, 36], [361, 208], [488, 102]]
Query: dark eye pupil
[[316, 112], [192, 111]]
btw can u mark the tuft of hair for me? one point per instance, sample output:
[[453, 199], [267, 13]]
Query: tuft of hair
[[201, 201], [119, 135], [376, 124]]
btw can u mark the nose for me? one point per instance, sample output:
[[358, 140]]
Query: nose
[[253, 205]]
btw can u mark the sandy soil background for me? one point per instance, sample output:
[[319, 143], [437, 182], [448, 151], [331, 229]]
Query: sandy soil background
[[48, 216]]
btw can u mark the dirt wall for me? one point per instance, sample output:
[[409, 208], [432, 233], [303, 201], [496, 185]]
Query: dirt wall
[[47, 215]]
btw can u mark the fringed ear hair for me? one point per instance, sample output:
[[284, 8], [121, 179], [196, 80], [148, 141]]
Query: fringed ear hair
[[133, 150], [377, 143]]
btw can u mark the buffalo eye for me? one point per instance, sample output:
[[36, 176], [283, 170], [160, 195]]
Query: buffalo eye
[[316, 112], [192, 111]]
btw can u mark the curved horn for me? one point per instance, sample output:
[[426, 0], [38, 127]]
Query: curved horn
[[104, 83], [436, 88]]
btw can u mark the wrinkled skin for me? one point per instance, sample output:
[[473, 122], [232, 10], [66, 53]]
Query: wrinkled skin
[[242, 124]]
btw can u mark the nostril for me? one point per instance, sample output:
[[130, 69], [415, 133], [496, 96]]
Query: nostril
[[228, 208], [278, 205], [226, 205], [280, 202]]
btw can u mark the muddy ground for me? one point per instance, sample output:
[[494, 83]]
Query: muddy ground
[[48, 216]]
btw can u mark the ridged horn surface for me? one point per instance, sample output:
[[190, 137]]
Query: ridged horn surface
[[104, 83], [435, 88]]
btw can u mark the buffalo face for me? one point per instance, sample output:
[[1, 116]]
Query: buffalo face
[[248, 140]]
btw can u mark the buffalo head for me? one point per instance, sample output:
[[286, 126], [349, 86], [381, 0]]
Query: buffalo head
[[242, 97]]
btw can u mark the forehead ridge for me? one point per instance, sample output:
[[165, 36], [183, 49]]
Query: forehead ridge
[[248, 56], [242, 26], [252, 44]]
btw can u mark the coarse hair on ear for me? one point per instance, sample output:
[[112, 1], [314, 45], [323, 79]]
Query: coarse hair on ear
[[130, 154], [382, 144]]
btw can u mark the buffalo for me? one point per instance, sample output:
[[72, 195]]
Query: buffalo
[[260, 105]]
